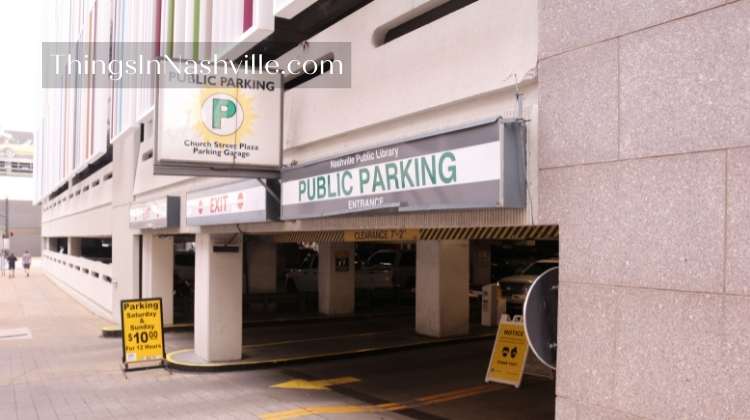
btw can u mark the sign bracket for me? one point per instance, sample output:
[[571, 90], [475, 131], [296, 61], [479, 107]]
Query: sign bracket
[[270, 191]]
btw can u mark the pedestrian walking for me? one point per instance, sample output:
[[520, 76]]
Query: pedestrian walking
[[3, 255], [12, 264], [26, 260]]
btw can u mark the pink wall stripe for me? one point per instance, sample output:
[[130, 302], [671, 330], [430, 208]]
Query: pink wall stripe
[[247, 20]]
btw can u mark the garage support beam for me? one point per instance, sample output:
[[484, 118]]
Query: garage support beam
[[442, 288], [218, 297], [158, 272], [481, 263], [74, 246], [261, 265], [336, 278]]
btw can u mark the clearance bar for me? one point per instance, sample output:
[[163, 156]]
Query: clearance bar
[[385, 235], [544, 232]]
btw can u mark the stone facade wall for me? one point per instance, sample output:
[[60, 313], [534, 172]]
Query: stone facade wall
[[645, 165]]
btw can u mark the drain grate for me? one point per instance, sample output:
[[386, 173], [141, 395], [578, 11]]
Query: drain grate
[[15, 334]]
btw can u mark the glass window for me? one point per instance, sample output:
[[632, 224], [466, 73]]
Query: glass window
[[539, 268], [382, 258]]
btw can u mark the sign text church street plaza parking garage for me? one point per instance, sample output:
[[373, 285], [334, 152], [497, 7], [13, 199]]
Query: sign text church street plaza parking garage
[[217, 121]]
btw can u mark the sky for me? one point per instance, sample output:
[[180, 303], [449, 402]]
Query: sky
[[21, 33]]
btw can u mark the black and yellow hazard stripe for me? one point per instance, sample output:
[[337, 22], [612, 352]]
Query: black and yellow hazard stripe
[[319, 236], [544, 232], [527, 232]]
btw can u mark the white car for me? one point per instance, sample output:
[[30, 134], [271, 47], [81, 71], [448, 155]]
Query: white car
[[305, 277], [384, 269], [388, 269], [514, 287]]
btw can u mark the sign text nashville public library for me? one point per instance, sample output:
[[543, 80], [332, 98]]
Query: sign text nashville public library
[[469, 168]]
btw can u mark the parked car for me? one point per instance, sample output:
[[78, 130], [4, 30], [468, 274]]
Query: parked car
[[388, 269], [11, 147], [514, 287], [384, 269], [304, 277]]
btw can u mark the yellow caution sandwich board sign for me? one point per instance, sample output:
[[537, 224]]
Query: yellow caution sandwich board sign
[[142, 332], [509, 353]]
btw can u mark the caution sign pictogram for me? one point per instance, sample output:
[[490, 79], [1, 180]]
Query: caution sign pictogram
[[142, 332], [509, 353]]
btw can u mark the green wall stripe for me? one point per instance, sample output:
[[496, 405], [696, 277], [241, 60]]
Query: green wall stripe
[[170, 28], [196, 27]]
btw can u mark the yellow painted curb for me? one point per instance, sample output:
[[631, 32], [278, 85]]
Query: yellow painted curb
[[247, 363]]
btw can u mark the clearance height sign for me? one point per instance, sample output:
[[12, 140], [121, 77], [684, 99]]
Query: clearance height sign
[[218, 122], [142, 331], [475, 167]]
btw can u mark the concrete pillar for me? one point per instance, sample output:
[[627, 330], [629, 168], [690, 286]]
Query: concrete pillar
[[261, 265], [125, 243], [125, 260], [336, 278], [74, 246], [481, 263], [158, 272], [218, 297], [442, 288]]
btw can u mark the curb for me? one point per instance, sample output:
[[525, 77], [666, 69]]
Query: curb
[[250, 365], [111, 331]]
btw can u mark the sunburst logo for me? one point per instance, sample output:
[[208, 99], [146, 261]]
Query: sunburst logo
[[223, 115]]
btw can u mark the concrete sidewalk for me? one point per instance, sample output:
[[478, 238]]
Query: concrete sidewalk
[[66, 370]]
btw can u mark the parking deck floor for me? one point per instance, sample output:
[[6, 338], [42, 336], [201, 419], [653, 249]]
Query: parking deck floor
[[66, 370]]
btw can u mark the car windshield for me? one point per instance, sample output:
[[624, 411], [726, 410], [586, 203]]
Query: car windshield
[[310, 260], [539, 268], [381, 258]]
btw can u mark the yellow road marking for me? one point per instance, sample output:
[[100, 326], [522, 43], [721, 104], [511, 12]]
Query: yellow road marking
[[320, 385], [381, 408]]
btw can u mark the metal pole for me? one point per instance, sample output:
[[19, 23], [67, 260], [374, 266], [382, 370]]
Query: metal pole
[[5, 234], [7, 218]]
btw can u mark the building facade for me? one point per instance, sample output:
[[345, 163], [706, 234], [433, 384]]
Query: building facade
[[20, 220], [617, 130]]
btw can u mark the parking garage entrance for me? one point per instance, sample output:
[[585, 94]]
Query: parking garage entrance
[[312, 295], [384, 274], [184, 278], [303, 275], [376, 271]]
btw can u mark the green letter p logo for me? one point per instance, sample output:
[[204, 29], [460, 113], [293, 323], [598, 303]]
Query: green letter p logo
[[222, 116], [222, 109]]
